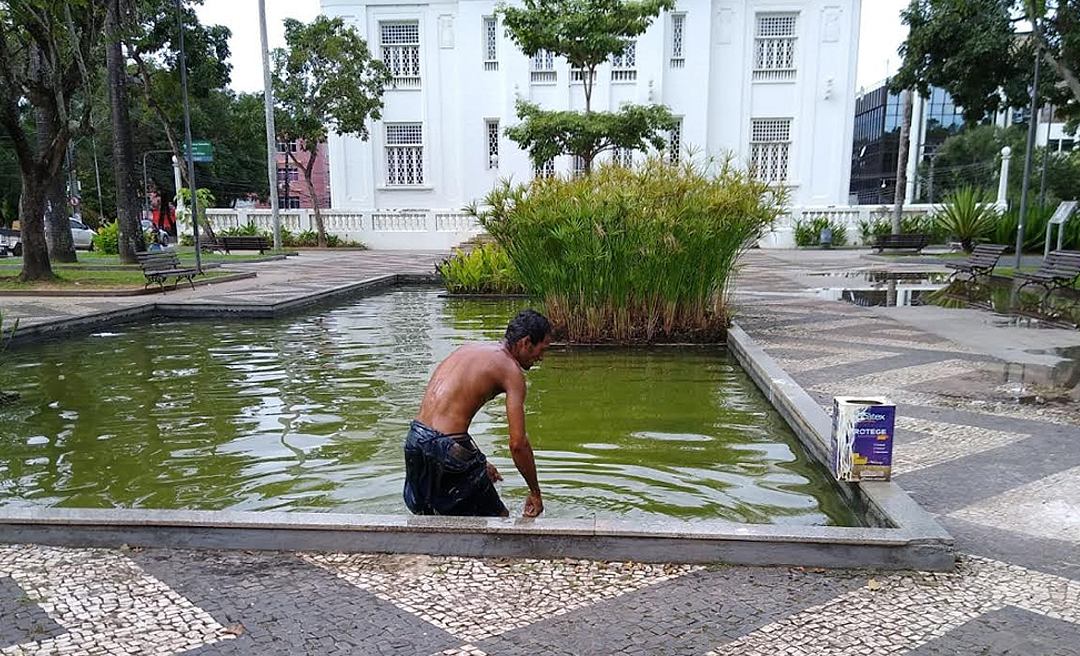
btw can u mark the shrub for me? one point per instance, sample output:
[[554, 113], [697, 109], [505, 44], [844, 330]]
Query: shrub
[[967, 216], [486, 270], [808, 233], [909, 224], [248, 230], [107, 239], [637, 254], [1035, 223]]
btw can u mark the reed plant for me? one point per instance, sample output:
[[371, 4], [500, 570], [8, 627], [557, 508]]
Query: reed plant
[[633, 255]]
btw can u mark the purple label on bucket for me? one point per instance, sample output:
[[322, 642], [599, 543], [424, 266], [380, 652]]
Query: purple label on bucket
[[874, 436]]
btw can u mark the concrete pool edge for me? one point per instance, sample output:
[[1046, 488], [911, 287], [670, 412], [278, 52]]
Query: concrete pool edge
[[886, 502], [913, 540]]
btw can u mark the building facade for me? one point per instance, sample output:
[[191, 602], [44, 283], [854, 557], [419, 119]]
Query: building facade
[[769, 81], [293, 192]]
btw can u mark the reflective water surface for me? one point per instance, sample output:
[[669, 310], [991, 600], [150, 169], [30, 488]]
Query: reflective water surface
[[309, 413]]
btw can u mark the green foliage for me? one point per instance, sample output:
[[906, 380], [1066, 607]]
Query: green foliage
[[808, 233], [548, 134], [1034, 228], [585, 32], [632, 255], [206, 199], [107, 239], [247, 230], [968, 216], [973, 50], [487, 269]]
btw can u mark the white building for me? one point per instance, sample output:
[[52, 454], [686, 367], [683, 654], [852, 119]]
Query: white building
[[771, 81]]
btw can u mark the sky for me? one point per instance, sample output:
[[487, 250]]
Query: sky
[[880, 35]]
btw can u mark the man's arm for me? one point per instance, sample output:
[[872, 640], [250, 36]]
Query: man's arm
[[520, 449]]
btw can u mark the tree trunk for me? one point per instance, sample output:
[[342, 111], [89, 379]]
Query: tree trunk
[[32, 228], [320, 229], [131, 239], [57, 229], [900, 195]]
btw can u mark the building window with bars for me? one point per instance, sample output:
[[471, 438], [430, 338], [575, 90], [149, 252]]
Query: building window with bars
[[404, 154], [491, 44], [400, 45], [491, 127], [770, 145], [579, 165], [542, 70], [774, 47], [294, 174], [545, 171], [624, 64], [578, 74], [678, 40], [292, 203], [286, 146], [674, 149], [623, 157]]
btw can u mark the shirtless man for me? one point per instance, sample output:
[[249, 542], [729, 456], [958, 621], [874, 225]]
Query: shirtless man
[[445, 473]]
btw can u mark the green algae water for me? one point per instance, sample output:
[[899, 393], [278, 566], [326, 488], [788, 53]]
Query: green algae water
[[309, 413]]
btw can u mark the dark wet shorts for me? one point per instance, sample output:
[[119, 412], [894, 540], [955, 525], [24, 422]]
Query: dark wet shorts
[[447, 475]]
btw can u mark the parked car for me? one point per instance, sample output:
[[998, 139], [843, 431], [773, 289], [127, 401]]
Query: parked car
[[10, 242], [82, 235]]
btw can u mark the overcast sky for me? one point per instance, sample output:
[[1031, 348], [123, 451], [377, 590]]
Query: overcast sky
[[880, 34]]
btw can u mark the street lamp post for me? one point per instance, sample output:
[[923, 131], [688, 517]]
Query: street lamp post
[[1032, 119], [187, 137]]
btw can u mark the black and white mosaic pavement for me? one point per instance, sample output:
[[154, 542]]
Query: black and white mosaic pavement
[[1004, 478]]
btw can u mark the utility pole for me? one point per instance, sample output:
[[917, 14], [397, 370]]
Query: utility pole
[[271, 136], [73, 183], [187, 138], [1032, 119]]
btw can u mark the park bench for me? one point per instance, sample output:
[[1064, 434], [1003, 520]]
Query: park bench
[[981, 262], [208, 244], [1059, 270], [244, 243], [159, 266], [913, 241]]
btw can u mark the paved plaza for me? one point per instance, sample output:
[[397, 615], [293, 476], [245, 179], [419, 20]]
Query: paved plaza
[[1003, 477]]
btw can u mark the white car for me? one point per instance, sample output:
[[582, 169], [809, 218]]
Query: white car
[[82, 235]]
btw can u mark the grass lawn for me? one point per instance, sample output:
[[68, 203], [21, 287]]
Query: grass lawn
[[74, 279]]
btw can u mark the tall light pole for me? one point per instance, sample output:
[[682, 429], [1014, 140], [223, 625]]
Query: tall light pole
[[187, 138], [1032, 119], [271, 136]]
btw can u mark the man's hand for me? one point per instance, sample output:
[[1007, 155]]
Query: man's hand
[[493, 473], [534, 505]]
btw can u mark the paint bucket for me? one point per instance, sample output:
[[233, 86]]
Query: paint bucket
[[862, 438]]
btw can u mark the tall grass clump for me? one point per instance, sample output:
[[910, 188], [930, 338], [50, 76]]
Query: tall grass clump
[[968, 216], [632, 255], [487, 269]]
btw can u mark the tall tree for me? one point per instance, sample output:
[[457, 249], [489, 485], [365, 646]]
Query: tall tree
[[57, 229], [974, 49], [586, 33], [64, 36], [131, 239], [325, 79]]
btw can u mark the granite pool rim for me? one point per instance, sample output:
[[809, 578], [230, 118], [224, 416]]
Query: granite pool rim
[[904, 536]]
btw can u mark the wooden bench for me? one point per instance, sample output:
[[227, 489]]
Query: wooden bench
[[244, 243], [981, 262], [1059, 270], [208, 245], [915, 241], [159, 266]]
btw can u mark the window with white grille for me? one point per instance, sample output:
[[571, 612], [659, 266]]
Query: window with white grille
[[624, 64], [491, 44], [579, 165], [774, 47], [579, 74], [623, 157], [678, 40], [545, 171], [770, 144], [674, 149], [400, 44], [543, 68], [492, 129], [404, 154], [292, 203]]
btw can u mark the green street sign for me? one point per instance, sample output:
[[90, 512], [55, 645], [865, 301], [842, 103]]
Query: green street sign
[[201, 151]]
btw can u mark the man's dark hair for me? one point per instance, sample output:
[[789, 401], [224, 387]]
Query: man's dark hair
[[527, 323]]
